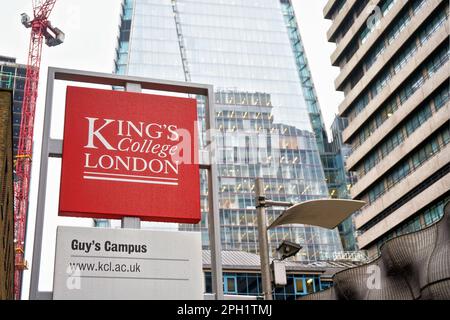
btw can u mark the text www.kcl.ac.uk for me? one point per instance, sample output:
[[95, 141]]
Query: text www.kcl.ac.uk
[[105, 267]]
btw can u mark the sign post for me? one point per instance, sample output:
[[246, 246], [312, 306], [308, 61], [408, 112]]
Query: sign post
[[131, 222], [53, 148]]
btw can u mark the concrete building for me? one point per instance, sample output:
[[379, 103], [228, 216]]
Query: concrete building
[[251, 52], [6, 198], [394, 62]]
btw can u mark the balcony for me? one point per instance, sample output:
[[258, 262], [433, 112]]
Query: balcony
[[436, 121], [394, 84], [351, 33], [417, 204], [414, 179], [347, 8], [402, 112], [391, 50]]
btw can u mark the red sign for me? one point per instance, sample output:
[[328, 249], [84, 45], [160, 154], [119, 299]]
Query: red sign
[[129, 154]]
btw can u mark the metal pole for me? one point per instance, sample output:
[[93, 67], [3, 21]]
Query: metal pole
[[215, 243], [40, 210], [131, 222], [263, 241]]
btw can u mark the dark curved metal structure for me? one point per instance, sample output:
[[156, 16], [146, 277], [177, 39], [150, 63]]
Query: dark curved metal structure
[[414, 266]]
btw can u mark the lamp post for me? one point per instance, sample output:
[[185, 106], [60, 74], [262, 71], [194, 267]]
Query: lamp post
[[325, 213]]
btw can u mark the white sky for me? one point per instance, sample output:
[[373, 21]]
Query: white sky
[[91, 30]]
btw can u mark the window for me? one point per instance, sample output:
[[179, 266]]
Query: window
[[122, 58], [230, 285], [9, 70], [102, 223], [304, 286], [299, 285], [442, 98], [376, 191], [446, 137], [120, 69], [310, 285], [325, 285], [18, 95], [20, 83], [123, 47], [438, 60], [128, 10], [208, 282], [398, 28], [432, 27], [21, 72]]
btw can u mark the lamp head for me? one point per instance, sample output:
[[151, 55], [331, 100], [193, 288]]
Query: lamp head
[[288, 249]]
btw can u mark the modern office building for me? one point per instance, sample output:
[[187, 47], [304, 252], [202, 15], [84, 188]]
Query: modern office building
[[12, 76], [267, 116], [242, 276], [394, 62], [309, 92], [6, 197], [339, 179]]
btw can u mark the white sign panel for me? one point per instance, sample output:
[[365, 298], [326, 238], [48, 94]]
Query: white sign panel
[[96, 263]]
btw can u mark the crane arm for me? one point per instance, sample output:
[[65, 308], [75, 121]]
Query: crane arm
[[42, 10]]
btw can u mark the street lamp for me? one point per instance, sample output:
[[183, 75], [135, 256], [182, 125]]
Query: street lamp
[[325, 213], [288, 249]]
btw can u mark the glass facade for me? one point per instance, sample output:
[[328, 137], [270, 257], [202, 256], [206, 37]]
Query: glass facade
[[339, 179], [12, 76], [304, 73], [263, 126], [249, 284], [332, 154]]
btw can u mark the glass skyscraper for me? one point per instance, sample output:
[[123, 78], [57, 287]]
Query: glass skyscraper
[[268, 120]]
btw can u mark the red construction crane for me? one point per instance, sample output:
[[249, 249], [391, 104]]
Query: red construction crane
[[40, 29]]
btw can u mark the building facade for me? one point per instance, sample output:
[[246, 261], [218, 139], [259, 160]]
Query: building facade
[[252, 53], [242, 276], [339, 179], [394, 61], [404, 275], [309, 91], [6, 197], [12, 76]]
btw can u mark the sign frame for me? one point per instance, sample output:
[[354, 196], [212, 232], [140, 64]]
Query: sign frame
[[52, 148], [127, 264]]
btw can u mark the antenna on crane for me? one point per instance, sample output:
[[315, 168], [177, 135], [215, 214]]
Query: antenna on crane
[[41, 29]]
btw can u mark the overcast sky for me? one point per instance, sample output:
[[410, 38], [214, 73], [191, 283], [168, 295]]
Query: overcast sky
[[91, 30]]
